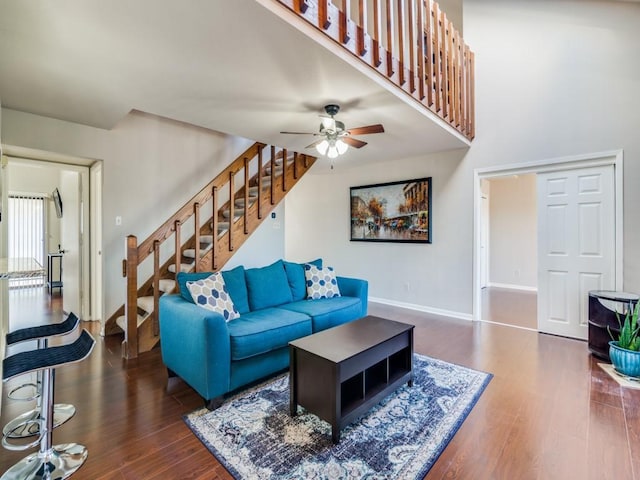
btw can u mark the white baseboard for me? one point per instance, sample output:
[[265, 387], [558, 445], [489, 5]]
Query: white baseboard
[[423, 308], [513, 287]]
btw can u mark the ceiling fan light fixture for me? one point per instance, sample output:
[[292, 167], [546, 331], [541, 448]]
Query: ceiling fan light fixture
[[342, 147], [333, 150], [328, 124], [322, 147]]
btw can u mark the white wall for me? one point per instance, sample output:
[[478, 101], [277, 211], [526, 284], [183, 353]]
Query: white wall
[[152, 166], [513, 232], [553, 79], [318, 225]]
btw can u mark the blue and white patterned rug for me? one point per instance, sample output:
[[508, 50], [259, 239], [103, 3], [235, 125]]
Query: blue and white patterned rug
[[254, 437]]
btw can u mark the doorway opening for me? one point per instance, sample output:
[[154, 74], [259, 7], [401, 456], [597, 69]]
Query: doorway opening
[[483, 301], [509, 245], [69, 230]]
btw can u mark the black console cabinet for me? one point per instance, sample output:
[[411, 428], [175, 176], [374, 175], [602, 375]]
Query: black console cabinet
[[603, 305]]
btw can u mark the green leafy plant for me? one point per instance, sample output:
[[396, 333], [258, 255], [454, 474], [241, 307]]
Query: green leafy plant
[[629, 337]]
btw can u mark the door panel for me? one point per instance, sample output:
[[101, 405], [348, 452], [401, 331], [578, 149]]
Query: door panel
[[576, 246], [70, 240]]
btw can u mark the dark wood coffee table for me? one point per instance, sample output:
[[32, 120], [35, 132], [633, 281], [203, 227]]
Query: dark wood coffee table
[[340, 373]]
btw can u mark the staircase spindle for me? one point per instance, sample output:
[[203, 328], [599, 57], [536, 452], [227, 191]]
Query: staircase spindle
[[232, 212], [426, 52], [377, 31], [451, 78], [273, 178], [400, 23], [214, 235], [301, 6], [437, 54], [362, 28], [390, 41], [196, 221], [284, 169], [344, 21], [259, 184], [156, 287], [443, 68], [412, 47], [324, 21], [295, 165], [246, 196], [178, 247]]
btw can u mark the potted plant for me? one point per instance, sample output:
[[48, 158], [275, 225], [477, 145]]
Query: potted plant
[[625, 351]]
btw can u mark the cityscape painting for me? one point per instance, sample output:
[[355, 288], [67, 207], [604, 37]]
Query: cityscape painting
[[392, 212]]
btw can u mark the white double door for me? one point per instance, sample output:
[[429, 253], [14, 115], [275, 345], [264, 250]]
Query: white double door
[[576, 246]]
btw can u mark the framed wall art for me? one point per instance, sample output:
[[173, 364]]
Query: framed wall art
[[392, 212]]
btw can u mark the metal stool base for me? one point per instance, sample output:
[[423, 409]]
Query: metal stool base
[[27, 425], [59, 462]]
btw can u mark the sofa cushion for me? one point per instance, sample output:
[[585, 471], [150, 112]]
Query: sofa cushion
[[267, 286], [265, 330], [326, 312], [211, 293], [295, 276], [234, 280], [321, 282]]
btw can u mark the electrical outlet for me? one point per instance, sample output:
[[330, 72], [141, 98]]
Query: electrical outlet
[[118, 220]]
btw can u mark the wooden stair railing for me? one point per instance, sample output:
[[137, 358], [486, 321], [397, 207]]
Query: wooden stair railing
[[237, 208], [419, 50]]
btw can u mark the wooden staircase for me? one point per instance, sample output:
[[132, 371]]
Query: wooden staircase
[[233, 204]]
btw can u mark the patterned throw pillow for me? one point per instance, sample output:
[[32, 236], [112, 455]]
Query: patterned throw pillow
[[321, 282], [211, 293]]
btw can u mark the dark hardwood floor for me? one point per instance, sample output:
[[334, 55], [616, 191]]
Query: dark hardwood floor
[[549, 413], [507, 306]]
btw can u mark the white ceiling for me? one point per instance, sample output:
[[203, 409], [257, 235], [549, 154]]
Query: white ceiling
[[228, 65]]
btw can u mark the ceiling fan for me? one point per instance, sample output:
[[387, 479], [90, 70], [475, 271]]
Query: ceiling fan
[[335, 138]]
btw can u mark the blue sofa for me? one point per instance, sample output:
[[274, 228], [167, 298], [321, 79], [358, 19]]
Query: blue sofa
[[216, 357]]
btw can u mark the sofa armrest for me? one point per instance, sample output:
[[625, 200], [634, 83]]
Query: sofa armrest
[[355, 287], [195, 345]]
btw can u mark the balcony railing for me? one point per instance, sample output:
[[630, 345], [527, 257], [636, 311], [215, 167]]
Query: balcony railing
[[411, 42]]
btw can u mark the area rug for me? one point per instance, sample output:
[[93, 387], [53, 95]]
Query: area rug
[[253, 436]]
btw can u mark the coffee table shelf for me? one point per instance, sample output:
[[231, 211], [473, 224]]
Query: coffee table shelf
[[340, 373]]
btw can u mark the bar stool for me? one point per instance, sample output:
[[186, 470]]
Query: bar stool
[[51, 461], [26, 424]]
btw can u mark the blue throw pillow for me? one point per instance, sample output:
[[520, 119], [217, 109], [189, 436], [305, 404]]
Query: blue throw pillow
[[267, 286], [321, 282], [234, 280], [211, 294], [182, 278], [295, 276], [237, 287]]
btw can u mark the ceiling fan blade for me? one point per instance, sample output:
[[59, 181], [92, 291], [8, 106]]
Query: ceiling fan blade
[[354, 142], [366, 130], [299, 133], [317, 142]]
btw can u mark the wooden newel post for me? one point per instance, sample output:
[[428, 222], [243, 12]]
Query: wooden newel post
[[130, 344]]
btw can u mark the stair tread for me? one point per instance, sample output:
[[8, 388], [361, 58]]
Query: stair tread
[[191, 252], [237, 211], [122, 322], [167, 285], [146, 303], [184, 267]]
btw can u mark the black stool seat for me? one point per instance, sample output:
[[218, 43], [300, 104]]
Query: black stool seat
[[42, 331], [50, 357]]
